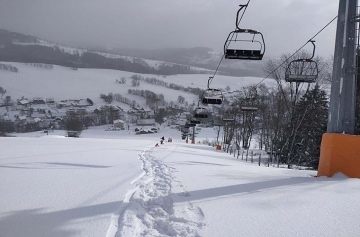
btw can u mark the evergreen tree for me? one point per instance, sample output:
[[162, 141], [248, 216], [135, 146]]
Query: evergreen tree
[[311, 115]]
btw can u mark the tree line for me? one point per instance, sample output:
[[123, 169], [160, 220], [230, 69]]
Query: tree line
[[288, 118]]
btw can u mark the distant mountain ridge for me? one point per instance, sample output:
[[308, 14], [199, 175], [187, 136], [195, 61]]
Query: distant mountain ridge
[[18, 47], [201, 57]]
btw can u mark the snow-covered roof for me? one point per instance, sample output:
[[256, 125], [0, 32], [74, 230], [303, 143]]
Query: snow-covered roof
[[118, 121], [24, 101]]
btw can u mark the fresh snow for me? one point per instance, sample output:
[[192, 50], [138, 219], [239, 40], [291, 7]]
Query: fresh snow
[[116, 183]]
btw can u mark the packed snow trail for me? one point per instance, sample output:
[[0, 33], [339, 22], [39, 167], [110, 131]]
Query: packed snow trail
[[150, 211]]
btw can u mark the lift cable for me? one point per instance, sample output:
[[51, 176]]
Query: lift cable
[[237, 27], [295, 128], [287, 59]]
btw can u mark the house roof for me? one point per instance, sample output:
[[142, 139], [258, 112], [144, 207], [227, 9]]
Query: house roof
[[118, 121], [24, 101]]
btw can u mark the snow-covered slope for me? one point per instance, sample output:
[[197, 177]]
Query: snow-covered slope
[[94, 186]]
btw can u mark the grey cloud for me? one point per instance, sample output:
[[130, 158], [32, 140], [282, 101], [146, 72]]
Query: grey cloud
[[286, 24]]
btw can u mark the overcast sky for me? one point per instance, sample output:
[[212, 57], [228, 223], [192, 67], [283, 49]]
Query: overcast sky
[[148, 24]]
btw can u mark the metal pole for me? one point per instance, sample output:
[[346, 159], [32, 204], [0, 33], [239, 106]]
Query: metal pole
[[193, 136], [343, 86]]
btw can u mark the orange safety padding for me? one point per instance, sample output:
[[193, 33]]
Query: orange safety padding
[[218, 147], [339, 153]]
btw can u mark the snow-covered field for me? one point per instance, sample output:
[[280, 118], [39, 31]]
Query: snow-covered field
[[64, 83], [112, 183]]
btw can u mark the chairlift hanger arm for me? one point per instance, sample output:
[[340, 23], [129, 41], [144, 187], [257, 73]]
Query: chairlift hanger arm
[[209, 81], [313, 52], [238, 17]]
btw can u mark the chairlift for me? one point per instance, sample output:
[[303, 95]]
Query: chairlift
[[228, 118], [201, 113], [246, 44], [212, 96], [195, 121], [248, 109], [302, 70], [190, 125]]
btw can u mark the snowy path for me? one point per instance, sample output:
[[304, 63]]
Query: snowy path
[[150, 209]]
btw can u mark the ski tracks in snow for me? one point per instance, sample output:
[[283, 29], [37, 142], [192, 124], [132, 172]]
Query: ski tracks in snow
[[150, 210]]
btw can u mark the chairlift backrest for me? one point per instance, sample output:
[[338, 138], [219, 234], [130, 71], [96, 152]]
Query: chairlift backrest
[[200, 116], [195, 121], [248, 109], [228, 119], [211, 101]]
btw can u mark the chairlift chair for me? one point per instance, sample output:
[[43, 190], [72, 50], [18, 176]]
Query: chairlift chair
[[248, 109], [212, 96], [242, 43], [238, 45], [302, 70], [190, 125], [228, 119], [195, 121], [201, 113]]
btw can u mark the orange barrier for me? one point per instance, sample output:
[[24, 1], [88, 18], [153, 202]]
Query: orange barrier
[[339, 153]]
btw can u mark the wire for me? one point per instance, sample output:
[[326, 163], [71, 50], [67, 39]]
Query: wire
[[287, 59], [217, 68], [294, 131], [241, 6], [222, 58]]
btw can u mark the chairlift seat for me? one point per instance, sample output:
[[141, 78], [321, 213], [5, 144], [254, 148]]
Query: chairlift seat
[[200, 115], [303, 69], [300, 78], [243, 54], [228, 120], [194, 121], [249, 109], [211, 101]]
